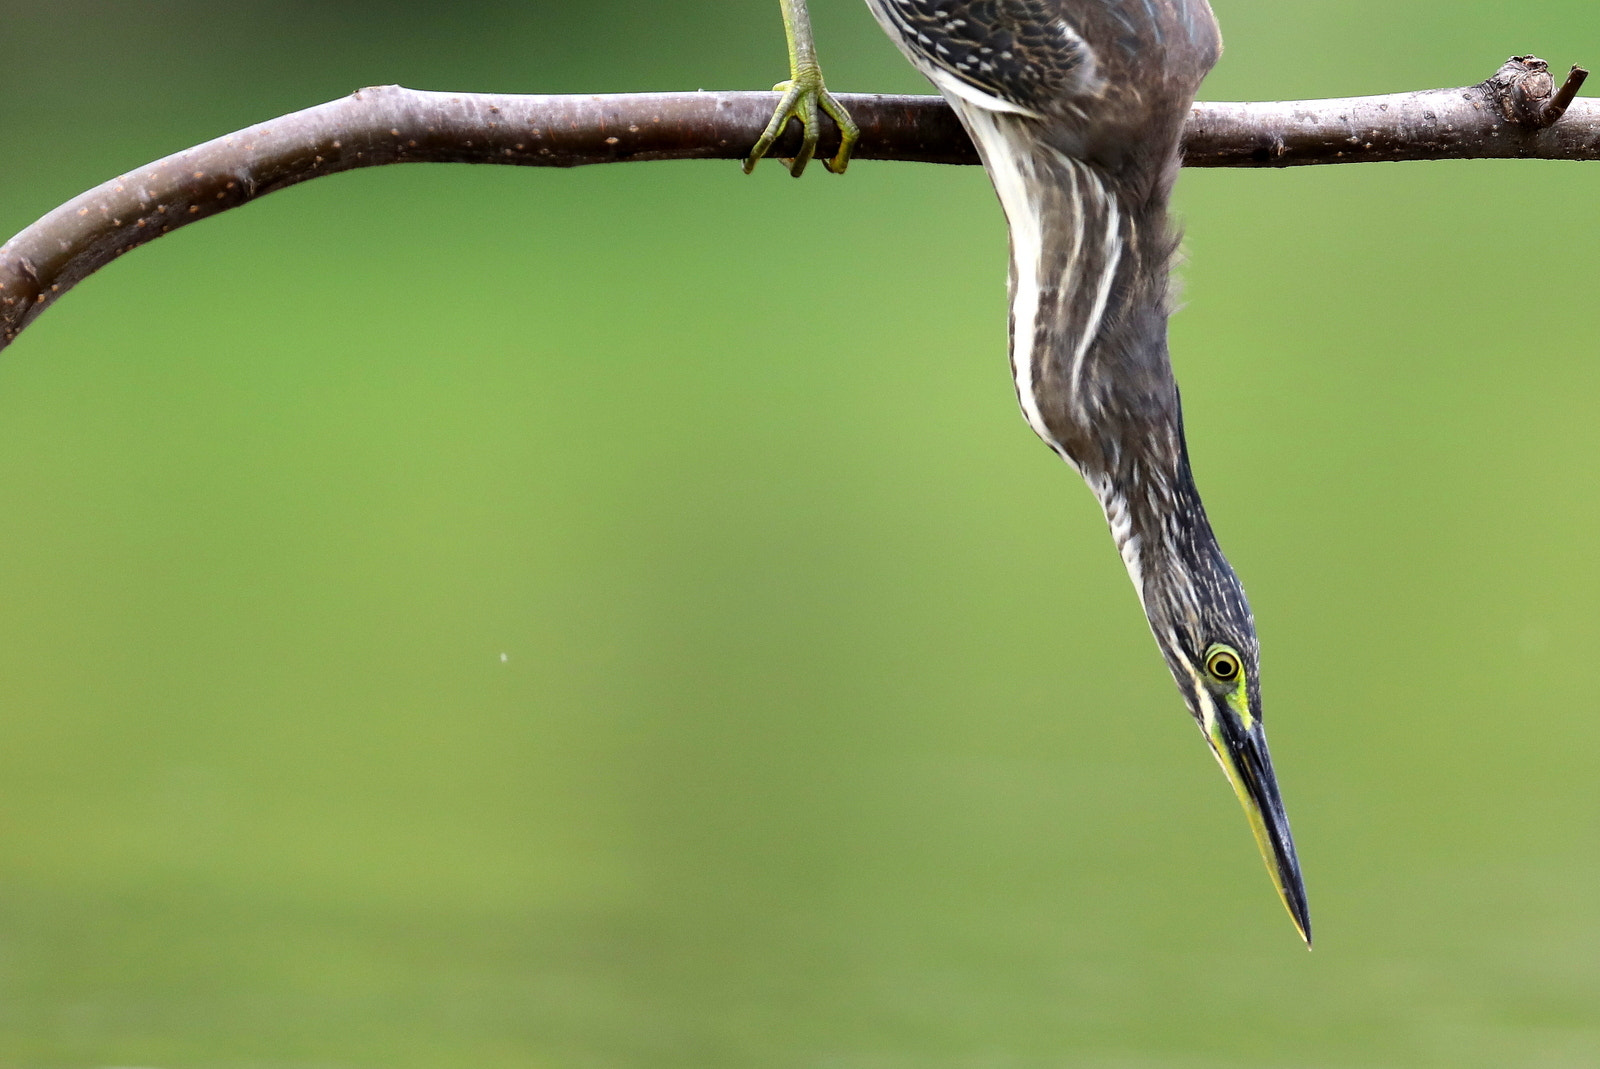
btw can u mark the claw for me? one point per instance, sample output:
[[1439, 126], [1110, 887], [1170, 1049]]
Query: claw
[[803, 96]]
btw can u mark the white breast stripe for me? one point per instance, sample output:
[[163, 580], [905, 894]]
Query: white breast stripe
[[1113, 257], [1007, 159], [1121, 524], [1069, 278]]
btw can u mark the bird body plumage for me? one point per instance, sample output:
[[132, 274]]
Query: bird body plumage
[[1077, 109]]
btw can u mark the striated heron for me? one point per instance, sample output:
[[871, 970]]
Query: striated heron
[[1077, 109]]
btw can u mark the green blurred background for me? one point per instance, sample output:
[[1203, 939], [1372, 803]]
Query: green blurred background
[[617, 618]]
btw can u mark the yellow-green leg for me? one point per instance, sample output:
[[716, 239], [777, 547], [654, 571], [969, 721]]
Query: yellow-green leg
[[803, 95]]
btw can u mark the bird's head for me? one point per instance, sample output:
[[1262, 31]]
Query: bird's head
[[1203, 624]]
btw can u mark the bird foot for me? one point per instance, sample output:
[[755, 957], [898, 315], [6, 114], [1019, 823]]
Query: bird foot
[[804, 96]]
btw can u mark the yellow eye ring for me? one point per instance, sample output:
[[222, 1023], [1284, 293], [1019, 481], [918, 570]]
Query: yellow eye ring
[[1223, 664]]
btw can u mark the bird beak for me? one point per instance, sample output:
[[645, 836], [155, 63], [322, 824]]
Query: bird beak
[[1240, 745]]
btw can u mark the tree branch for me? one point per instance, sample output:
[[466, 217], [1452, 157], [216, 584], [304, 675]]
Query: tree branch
[[1508, 116]]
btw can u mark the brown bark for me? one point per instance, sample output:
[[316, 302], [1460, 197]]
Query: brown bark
[[1512, 115]]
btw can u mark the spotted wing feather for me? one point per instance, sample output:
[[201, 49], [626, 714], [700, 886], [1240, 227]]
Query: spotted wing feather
[[1023, 55]]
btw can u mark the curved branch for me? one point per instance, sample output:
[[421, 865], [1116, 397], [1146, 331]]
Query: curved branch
[[1517, 114], [1504, 117]]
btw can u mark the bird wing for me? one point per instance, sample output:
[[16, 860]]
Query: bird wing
[[1023, 56]]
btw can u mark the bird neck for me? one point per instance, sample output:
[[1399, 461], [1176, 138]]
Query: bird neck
[[1090, 256], [1190, 593], [1091, 298], [1145, 486]]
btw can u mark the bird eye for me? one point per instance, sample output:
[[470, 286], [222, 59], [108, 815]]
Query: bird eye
[[1223, 664]]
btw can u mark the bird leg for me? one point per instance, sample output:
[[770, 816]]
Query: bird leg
[[803, 95]]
